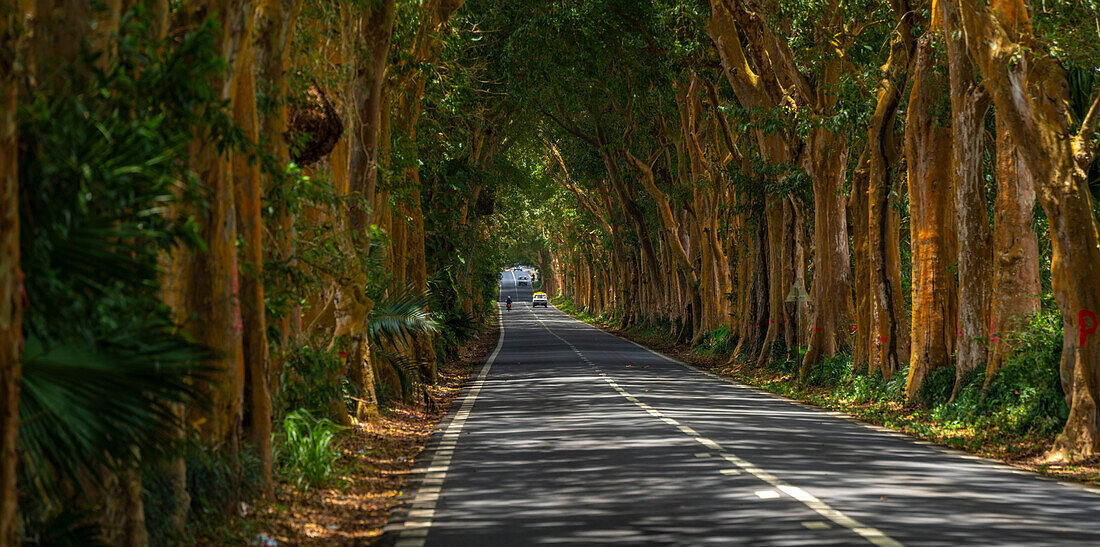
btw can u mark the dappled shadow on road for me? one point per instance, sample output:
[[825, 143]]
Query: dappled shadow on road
[[553, 454], [551, 459], [915, 493]]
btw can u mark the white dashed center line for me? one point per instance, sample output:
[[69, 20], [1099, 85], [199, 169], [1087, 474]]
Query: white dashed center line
[[872, 535]]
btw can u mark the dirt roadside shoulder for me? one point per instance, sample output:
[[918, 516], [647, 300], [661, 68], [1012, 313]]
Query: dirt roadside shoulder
[[376, 467]]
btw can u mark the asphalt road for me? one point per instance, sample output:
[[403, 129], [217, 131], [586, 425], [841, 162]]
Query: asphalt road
[[571, 436]]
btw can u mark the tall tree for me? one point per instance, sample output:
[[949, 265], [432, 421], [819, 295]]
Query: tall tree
[[969, 103], [207, 299], [888, 337], [1030, 94], [1016, 284], [11, 299], [427, 45], [932, 224]]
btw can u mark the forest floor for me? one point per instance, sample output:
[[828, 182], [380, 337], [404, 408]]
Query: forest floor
[[1023, 452], [375, 467]]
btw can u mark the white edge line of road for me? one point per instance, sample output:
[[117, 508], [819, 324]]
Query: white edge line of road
[[414, 529], [940, 448]]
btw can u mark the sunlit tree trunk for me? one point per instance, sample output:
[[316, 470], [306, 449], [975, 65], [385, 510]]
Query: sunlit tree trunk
[[1015, 251], [1030, 95], [246, 187], [932, 225], [890, 329], [11, 283], [210, 289], [969, 103]]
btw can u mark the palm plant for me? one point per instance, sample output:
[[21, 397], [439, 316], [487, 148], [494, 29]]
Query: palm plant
[[101, 161], [398, 318]]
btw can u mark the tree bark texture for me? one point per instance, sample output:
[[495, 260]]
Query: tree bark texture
[[11, 283], [1030, 95], [1015, 252], [890, 329], [932, 224], [825, 160], [210, 289], [246, 188], [275, 25], [857, 221], [969, 102]]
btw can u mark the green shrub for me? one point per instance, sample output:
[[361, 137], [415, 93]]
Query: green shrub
[[1025, 396], [871, 388], [720, 342], [215, 482], [863, 389], [830, 372], [311, 380], [937, 386], [306, 454], [780, 359]]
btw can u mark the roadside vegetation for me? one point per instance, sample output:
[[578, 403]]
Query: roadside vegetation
[[223, 290]]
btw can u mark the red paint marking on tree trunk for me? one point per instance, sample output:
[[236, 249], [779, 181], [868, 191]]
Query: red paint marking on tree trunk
[[238, 322], [1085, 331]]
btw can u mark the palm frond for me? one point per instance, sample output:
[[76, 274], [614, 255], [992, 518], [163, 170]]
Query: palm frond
[[84, 409], [399, 316]]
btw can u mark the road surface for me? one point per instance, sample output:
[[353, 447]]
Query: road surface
[[571, 436]]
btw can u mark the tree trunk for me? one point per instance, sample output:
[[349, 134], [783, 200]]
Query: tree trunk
[[793, 322], [757, 311], [825, 160], [671, 230], [275, 26], [426, 49], [1015, 252], [932, 225], [210, 300], [246, 187], [375, 32], [862, 344], [11, 284], [773, 211], [969, 102], [1030, 93], [890, 331]]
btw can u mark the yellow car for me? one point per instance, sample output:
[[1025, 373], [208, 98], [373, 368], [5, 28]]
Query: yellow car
[[539, 299]]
